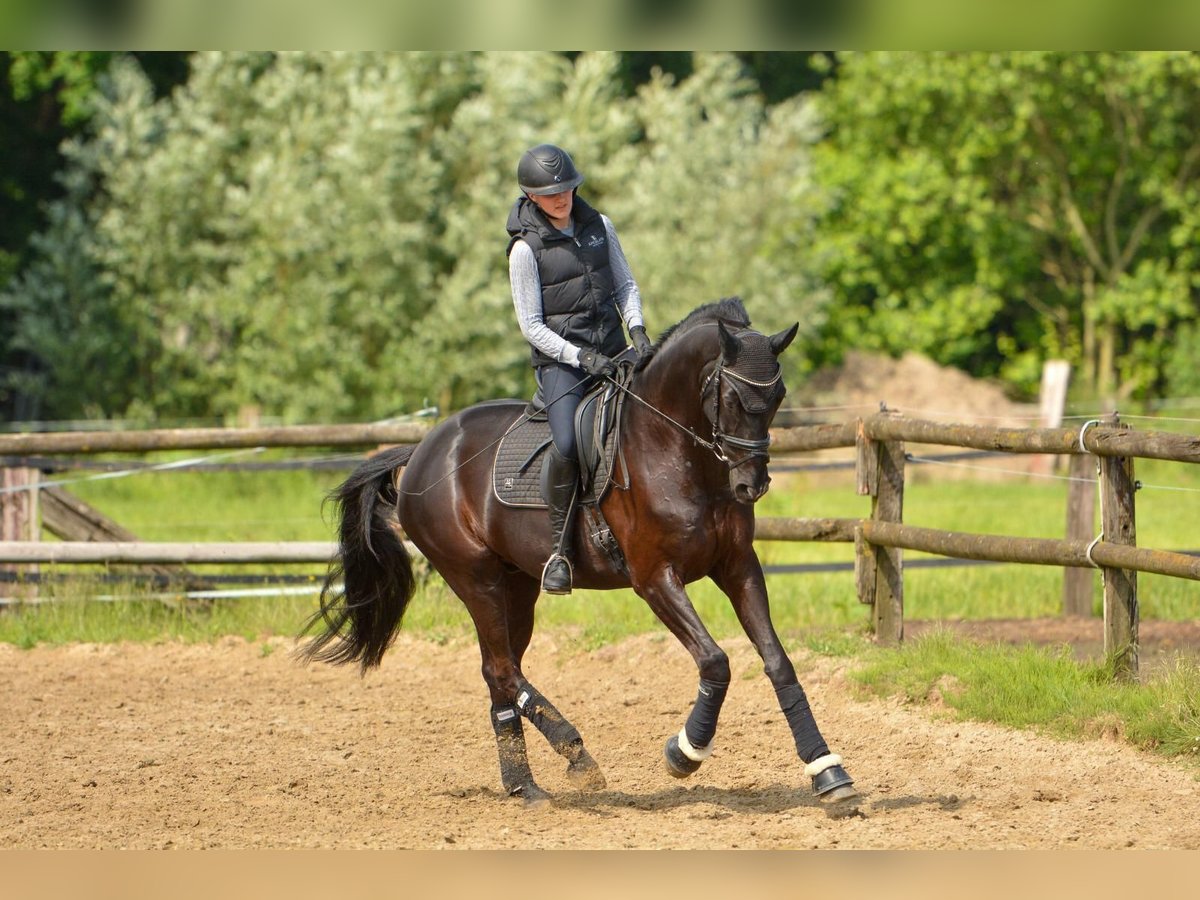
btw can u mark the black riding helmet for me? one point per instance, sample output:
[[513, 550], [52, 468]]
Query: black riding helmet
[[547, 169]]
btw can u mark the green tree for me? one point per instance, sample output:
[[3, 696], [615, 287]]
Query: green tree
[[714, 200], [322, 234], [45, 98], [995, 209]]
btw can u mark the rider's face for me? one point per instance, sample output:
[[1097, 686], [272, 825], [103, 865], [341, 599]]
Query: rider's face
[[557, 207]]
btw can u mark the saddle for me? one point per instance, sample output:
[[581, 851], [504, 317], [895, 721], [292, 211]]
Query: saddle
[[520, 466]]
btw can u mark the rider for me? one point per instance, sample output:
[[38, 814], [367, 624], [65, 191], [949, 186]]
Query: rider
[[571, 287]]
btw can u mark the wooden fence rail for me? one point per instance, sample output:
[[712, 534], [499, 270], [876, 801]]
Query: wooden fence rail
[[213, 438], [1101, 438], [182, 552], [880, 464], [879, 540], [1034, 551]]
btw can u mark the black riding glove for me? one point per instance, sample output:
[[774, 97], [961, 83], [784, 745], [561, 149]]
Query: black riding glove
[[596, 363], [641, 343]]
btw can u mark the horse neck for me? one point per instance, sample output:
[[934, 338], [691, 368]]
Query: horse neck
[[671, 382]]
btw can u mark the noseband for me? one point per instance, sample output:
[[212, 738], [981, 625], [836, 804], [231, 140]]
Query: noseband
[[754, 447]]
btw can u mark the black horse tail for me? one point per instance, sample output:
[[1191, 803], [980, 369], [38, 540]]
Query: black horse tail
[[360, 622]]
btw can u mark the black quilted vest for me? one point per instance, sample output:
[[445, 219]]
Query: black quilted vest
[[577, 281]]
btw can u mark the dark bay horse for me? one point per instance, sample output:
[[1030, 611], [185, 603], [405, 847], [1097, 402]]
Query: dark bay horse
[[694, 438]]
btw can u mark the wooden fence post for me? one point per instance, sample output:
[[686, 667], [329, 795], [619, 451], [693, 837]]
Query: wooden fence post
[[19, 516], [1078, 583], [881, 474], [1120, 585], [1052, 399]]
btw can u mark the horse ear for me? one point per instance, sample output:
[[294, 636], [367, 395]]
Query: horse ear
[[729, 344], [779, 342]]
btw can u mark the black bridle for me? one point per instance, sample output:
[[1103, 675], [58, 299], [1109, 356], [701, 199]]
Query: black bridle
[[754, 447]]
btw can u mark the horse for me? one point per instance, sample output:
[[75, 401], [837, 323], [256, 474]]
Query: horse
[[694, 453]]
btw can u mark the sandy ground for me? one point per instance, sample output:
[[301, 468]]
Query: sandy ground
[[234, 745]]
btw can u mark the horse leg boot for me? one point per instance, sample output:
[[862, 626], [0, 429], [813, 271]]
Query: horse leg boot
[[830, 782], [582, 770], [514, 762], [562, 484], [686, 751]]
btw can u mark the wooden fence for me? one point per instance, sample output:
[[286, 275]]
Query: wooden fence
[[879, 540]]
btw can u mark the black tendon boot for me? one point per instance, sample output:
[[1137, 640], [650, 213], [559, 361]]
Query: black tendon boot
[[562, 482]]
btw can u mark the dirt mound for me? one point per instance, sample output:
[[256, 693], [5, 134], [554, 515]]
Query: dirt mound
[[915, 385], [234, 745]]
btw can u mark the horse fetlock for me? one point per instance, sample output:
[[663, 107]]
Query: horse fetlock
[[701, 725], [515, 774], [532, 796]]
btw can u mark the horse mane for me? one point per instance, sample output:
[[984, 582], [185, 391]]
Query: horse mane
[[729, 310]]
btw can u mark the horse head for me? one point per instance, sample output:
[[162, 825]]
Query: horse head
[[740, 396]]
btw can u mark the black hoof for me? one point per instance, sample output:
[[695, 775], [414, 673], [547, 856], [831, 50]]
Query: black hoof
[[585, 774], [678, 765], [833, 784]]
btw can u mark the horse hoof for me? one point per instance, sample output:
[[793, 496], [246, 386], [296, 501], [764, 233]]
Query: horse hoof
[[678, 765], [839, 795], [585, 774], [532, 796], [833, 785]]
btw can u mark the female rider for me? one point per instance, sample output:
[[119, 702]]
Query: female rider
[[571, 287]]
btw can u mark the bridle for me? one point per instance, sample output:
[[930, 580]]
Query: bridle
[[754, 447]]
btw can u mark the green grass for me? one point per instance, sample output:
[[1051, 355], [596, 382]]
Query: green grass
[[149, 621], [1044, 690], [287, 505], [218, 506]]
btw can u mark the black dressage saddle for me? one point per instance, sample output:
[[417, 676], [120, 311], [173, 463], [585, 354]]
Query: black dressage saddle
[[519, 469]]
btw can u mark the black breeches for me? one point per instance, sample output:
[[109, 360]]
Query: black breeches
[[563, 387]]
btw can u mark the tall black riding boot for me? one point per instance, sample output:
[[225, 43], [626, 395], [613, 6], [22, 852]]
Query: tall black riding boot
[[562, 483]]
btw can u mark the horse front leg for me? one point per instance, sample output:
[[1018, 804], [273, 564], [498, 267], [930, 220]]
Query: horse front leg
[[744, 584], [685, 751]]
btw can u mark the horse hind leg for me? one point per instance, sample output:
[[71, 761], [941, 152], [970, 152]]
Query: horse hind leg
[[501, 607], [582, 770], [515, 773]]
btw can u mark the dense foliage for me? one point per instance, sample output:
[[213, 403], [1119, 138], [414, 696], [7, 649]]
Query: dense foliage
[[993, 210], [320, 235]]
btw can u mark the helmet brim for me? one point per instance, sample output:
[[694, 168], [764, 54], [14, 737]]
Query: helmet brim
[[558, 188]]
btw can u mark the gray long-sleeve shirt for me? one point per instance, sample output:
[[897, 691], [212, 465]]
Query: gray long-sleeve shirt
[[527, 295]]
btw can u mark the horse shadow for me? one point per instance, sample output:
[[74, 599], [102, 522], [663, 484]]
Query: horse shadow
[[772, 799]]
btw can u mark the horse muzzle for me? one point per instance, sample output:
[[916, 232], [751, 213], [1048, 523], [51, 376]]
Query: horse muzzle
[[749, 490]]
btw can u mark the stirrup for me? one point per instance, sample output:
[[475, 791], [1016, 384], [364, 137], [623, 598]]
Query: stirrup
[[557, 588]]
